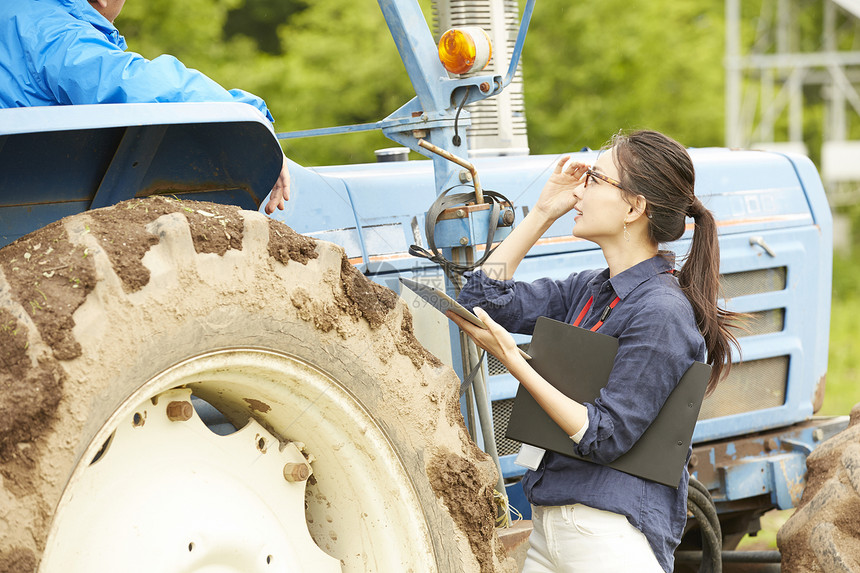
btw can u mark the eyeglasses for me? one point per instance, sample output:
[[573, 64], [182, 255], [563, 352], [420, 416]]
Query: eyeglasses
[[590, 173]]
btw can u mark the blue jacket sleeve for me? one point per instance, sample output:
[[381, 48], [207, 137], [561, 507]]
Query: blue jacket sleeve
[[80, 66], [517, 305], [656, 347]]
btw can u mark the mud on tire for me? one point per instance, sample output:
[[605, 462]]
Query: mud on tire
[[96, 308], [823, 535]]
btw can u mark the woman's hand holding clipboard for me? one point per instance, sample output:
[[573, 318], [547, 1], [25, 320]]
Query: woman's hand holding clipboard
[[481, 328]]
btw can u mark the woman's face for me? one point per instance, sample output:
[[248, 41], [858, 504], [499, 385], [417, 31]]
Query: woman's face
[[601, 207]]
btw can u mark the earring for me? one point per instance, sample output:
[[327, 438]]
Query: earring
[[626, 234]]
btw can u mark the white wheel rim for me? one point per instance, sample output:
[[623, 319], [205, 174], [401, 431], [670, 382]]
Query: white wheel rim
[[148, 505]]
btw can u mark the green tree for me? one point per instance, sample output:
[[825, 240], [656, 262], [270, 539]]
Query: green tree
[[188, 29], [592, 69], [260, 20], [341, 67], [192, 30], [335, 64]]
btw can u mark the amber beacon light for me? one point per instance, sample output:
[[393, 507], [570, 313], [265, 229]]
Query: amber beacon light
[[464, 50]]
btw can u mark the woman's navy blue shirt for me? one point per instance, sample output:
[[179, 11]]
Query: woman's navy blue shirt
[[658, 340]]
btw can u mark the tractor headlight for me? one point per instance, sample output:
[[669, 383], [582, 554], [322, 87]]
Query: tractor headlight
[[464, 50]]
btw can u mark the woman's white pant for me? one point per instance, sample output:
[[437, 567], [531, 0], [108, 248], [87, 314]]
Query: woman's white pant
[[579, 539]]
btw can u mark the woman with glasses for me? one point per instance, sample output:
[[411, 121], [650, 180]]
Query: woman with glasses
[[588, 517]]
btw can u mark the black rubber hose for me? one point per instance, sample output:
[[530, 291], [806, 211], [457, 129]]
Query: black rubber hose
[[711, 558], [707, 506], [701, 505], [699, 486]]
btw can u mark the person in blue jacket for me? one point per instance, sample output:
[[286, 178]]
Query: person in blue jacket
[[67, 52], [588, 517]]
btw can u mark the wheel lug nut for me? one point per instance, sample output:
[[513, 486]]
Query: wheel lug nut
[[179, 411], [296, 472]]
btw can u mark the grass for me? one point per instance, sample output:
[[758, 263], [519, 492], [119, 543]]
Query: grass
[[843, 367], [765, 540]]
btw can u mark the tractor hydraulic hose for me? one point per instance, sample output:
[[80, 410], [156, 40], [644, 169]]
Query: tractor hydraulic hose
[[707, 505], [699, 486], [711, 559], [701, 505]]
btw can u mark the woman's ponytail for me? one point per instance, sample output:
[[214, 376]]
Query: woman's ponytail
[[700, 280], [660, 169]]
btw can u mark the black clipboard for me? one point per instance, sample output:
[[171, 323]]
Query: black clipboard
[[578, 362]]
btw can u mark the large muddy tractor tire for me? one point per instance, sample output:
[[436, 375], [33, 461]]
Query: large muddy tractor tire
[[120, 327], [823, 534]]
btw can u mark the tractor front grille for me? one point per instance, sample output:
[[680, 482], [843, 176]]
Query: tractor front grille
[[751, 385], [501, 416], [494, 367], [762, 322], [753, 282]]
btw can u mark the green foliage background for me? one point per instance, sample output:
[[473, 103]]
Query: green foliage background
[[320, 64], [590, 69]]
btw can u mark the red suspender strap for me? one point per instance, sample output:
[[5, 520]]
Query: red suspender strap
[[603, 316]]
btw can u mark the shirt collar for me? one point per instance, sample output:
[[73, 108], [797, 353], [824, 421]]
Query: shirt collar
[[626, 282]]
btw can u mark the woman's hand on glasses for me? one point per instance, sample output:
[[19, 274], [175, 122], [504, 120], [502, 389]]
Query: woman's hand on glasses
[[557, 196]]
